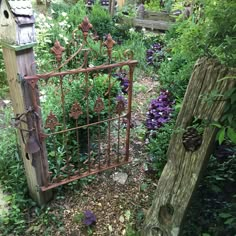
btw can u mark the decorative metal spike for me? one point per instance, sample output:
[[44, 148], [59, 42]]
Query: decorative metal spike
[[75, 111], [120, 107], [99, 105], [109, 44], [51, 121], [85, 26], [57, 50]]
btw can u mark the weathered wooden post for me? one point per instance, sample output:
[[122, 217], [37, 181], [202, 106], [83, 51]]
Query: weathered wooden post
[[17, 37], [189, 149]]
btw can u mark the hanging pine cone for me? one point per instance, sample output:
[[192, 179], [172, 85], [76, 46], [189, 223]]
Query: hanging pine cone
[[192, 140]]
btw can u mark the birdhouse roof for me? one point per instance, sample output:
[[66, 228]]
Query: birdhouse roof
[[21, 7]]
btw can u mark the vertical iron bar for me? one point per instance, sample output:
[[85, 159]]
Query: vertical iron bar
[[87, 114], [99, 142], [130, 93], [77, 139], [109, 122], [63, 101], [55, 150], [87, 107], [118, 145]]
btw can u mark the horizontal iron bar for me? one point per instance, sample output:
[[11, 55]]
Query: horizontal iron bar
[[88, 125], [76, 177], [80, 70]]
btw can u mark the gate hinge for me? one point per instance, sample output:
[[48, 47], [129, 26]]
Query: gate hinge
[[20, 78]]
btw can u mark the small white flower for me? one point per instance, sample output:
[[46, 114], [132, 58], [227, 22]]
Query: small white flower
[[143, 30], [66, 40], [64, 14], [131, 30], [62, 23]]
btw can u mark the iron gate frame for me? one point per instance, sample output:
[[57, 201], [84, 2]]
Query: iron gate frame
[[52, 122]]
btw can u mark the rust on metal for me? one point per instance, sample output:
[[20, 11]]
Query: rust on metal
[[99, 105], [52, 121], [120, 107], [85, 26], [57, 50], [75, 111], [109, 43], [86, 137]]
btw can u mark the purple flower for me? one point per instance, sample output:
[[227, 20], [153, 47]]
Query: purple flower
[[121, 98], [155, 55], [159, 111], [89, 218], [124, 81]]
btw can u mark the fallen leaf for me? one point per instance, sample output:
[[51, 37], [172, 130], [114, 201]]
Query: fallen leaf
[[122, 219]]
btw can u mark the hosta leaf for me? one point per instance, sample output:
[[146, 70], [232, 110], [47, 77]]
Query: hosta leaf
[[231, 134], [221, 135], [224, 215], [230, 221]]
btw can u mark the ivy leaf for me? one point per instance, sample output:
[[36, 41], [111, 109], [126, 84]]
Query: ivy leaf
[[221, 135], [224, 215], [229, 221], [216, 124], [231, 134]]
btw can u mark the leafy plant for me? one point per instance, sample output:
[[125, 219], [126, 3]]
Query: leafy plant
[[101, 20], [12, 178], [3, 78], [157, 145], [152, 5], [213, 209]]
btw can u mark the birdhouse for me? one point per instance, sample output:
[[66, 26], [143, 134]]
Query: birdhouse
[[16, 22]]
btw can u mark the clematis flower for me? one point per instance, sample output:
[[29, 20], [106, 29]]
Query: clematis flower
[[89, 218], [159, 111]]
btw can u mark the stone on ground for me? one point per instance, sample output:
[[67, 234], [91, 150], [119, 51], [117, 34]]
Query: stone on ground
[[120, 177]]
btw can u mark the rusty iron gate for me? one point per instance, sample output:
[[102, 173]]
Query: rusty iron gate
[[84, 136]]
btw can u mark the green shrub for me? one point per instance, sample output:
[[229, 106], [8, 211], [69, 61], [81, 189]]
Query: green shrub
[[213, 209], [158, 145], [101, 20], [3, 78]]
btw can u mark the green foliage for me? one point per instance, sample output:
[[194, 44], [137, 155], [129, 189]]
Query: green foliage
[[12, 178], [157, 147], [220, 30], [213, 209], [101, 20], [152, 5], [3, 78]]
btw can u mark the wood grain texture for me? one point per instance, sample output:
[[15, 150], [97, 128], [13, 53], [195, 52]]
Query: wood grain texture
[[184, 168], [152, 24], [19, 63]]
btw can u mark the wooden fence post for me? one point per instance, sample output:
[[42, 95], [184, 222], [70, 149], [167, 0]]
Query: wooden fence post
[[188, 151], [18, 38]]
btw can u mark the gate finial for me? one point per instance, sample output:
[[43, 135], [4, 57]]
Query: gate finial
[[85, 26], [109, 44], [57, 50]]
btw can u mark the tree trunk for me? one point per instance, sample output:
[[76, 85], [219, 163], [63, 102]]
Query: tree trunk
[[184, 166]]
